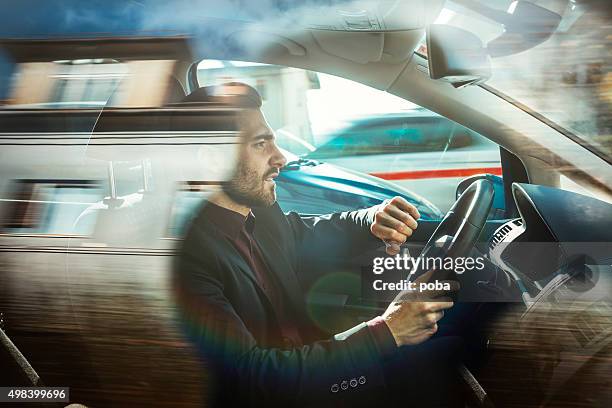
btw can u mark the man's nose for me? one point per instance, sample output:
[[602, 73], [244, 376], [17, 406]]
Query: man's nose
[[278, 159]]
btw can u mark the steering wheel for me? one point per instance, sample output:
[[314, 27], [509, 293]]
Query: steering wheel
[[458, 231]]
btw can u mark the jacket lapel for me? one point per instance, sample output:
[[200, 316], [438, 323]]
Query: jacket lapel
[[223, 246], [275, 258], [280, 267]]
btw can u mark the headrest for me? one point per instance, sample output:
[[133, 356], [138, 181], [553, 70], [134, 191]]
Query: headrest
[[232, 93]]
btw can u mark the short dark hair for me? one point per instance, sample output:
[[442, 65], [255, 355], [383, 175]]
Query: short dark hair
[[231, 93]]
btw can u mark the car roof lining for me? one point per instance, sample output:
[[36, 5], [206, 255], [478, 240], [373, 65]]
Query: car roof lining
[[377, 67]]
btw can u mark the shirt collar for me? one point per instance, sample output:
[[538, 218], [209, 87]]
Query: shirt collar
[[229, 222]]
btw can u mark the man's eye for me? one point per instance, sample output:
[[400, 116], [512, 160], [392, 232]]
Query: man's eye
[[260, 145]]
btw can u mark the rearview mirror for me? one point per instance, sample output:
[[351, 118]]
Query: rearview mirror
[[456, 56]]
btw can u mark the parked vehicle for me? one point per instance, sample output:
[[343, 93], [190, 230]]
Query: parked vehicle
[[311, 187], [419, 150]]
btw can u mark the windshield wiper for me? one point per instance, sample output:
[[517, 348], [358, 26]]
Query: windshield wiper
[[295, 164]]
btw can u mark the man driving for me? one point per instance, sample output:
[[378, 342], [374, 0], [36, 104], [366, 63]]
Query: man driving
[[237, 283]]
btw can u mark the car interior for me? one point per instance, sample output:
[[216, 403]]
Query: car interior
[[536, 319]]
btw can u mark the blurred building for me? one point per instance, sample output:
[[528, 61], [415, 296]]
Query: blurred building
[[91, 83], [283, 90]]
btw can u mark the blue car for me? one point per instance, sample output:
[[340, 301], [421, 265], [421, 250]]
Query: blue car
[[311, 187]]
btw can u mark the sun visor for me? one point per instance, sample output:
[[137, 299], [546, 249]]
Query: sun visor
[[356, 47]]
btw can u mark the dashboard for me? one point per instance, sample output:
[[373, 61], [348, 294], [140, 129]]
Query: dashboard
[[558, 254], [558, 233]]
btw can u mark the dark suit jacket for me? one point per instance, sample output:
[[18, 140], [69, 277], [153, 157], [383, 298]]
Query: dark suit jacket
[[228, 317]]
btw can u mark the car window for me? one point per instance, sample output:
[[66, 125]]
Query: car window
[[347, 125]]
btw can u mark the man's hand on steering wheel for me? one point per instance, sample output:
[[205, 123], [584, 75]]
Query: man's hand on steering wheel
[[394, 222], [412, 317]]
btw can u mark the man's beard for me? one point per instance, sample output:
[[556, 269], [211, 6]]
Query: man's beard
[[248, 188]]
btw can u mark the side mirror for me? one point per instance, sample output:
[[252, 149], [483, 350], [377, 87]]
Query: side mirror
[[456, 56]]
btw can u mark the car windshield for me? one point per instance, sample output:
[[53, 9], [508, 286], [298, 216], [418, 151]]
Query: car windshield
[[566, 80]]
